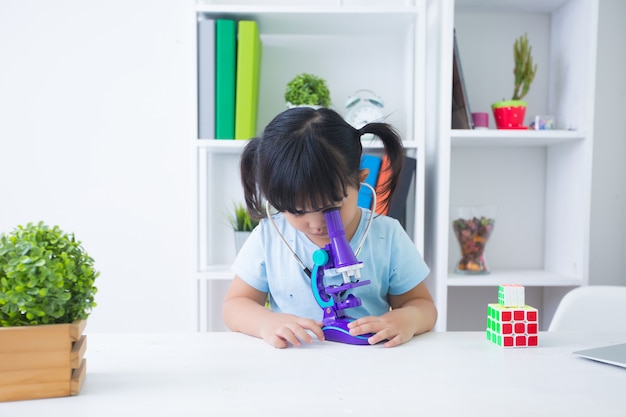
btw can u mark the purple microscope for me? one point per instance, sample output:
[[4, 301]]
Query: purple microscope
[[337, 258]]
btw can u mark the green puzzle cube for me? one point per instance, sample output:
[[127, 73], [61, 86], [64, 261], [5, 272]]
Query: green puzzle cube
[[512, 326]]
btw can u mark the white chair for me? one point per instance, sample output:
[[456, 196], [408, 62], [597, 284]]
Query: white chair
[[600, 308]]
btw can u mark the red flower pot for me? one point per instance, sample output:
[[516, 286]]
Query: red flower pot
[[509, 114]]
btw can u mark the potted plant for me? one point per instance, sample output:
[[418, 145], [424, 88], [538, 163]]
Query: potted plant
[[509, 114], [46, 294], [307, 90], [242, 224]]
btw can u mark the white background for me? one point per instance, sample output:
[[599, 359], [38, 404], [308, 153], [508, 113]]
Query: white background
[[96, 118]]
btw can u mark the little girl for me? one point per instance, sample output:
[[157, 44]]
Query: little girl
[[306, 162]]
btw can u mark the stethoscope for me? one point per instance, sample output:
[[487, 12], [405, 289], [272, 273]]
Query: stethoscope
[[305, 268]]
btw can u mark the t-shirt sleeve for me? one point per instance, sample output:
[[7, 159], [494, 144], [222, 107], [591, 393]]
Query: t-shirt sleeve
[[407, 267], [249, 264]]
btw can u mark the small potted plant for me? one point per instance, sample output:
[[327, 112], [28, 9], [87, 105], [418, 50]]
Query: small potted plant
[[307, 90], [509, 114], [46, 294], [242, 224]]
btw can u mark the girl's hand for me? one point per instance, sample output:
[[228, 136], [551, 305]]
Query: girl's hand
[[280, 330], [411, 313], [390, 327]]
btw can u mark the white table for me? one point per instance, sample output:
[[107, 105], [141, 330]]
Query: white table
[[447, 374]]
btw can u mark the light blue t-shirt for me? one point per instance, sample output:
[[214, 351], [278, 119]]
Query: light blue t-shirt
[[390, 260]]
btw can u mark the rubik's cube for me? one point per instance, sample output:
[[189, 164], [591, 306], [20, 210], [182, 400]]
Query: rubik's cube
[[511, 323], [511, 295]]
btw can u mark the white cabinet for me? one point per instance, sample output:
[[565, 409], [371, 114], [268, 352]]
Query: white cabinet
[[353, 45], [539, 180]]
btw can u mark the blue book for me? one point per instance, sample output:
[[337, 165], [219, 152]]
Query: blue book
[[371, 162]]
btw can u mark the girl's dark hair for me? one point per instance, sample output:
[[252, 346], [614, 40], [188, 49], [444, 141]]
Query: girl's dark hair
[[308, 158]]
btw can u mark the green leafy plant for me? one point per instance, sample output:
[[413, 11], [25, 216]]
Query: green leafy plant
[[240, 220], [524, 69], [46, 277], [307, 89]]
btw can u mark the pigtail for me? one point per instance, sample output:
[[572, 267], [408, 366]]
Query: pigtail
[[248, 171], [395, 152]]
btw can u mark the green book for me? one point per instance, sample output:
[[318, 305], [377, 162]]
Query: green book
[[225, 73], [248, 75]]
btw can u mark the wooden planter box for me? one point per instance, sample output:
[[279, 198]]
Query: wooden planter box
[[42, 361]]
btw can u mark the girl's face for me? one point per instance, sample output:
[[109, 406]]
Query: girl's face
[[313, 223]]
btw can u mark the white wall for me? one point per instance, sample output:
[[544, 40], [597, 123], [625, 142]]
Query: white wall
[[95, 106], [96, 102], [607, 255]]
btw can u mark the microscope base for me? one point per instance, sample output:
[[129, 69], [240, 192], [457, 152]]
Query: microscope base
[[337, 331]]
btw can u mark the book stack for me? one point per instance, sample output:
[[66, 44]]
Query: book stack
[[379, 173], [229, 68]]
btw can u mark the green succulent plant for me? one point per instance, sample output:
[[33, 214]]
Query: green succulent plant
[[240, 219], [307, 89], [524, 69], [46, 277]]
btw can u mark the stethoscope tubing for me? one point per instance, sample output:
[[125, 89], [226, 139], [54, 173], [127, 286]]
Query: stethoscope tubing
[[293, 252]]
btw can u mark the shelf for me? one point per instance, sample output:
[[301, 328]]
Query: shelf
[[221, 146], [332, 39], [536, 6], [346, 19], [493, 137], [236, 146], [216, 273], [528, 278], [538, 179]]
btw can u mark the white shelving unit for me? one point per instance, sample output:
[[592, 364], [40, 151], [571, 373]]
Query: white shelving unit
[[353, 44], [539, 180]]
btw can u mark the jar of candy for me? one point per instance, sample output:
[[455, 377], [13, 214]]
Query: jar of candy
[[472, 226]]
